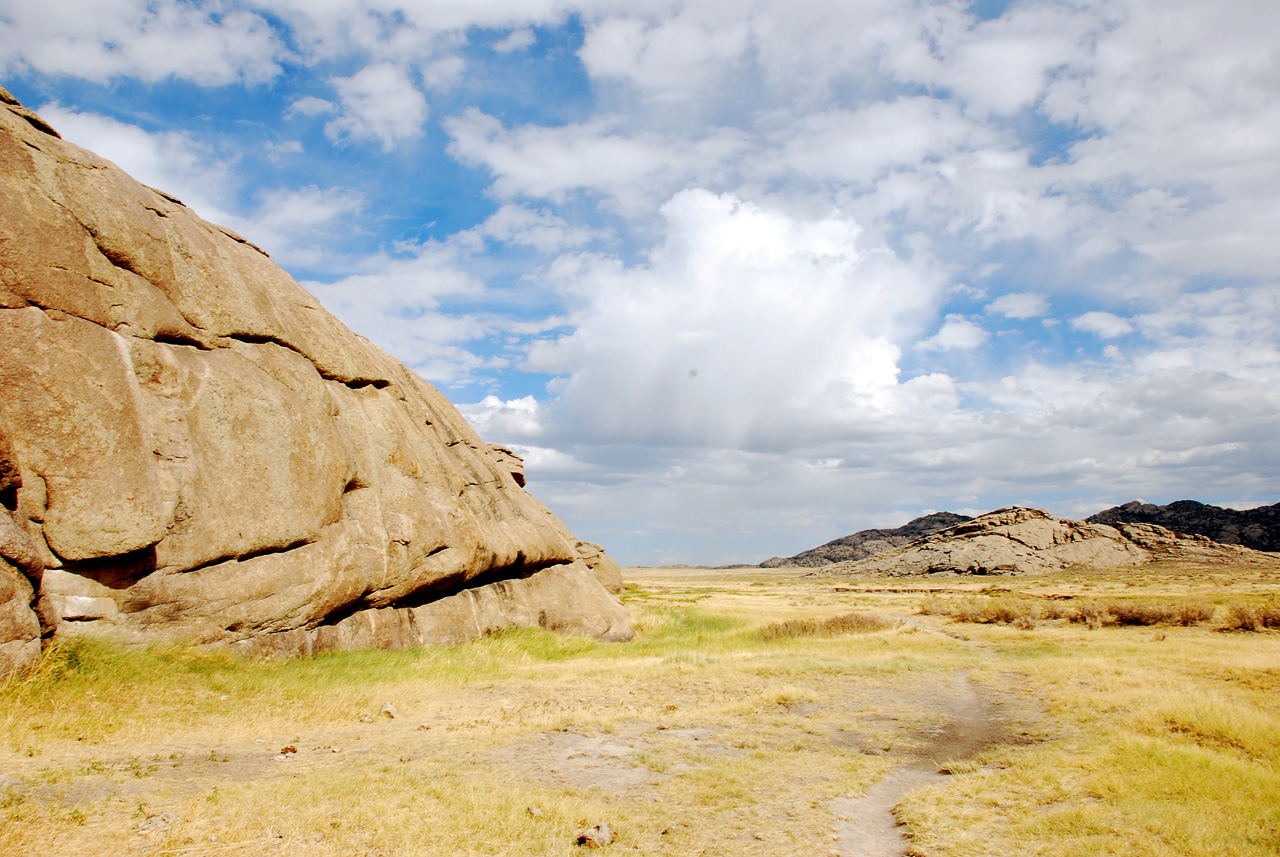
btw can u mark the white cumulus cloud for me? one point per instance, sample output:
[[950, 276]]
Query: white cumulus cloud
[[516, 40], [152, 40], [379, 103], [1105, 324], [956, 334], [542, 230], [744, 325], [1019, 305]]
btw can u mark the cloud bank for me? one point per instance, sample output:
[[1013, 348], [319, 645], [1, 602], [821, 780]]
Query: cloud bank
[[737, 280]]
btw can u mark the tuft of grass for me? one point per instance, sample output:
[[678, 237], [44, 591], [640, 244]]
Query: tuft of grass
[[1242, 616], [1194, 612], [1090, 614], [849, 623], [1141, 612], [994, 610], [1001, 608]]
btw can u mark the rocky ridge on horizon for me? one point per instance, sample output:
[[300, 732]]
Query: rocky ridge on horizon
[[1020, 540], [192, 448], [866, 543], [1258, 528]]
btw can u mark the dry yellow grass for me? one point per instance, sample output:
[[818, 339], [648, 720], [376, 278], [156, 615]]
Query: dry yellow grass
[[710, 734]]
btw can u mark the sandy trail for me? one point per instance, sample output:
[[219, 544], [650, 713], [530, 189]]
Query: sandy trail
[[868, 826]]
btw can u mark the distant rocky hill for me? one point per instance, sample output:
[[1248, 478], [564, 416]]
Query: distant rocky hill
[[1253, 528], [192, 448], [1030, 541], [867, 543]]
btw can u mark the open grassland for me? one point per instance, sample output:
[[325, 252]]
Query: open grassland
[[1090, 712]]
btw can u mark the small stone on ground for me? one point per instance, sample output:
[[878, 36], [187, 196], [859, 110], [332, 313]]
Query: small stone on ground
[[596, 837]]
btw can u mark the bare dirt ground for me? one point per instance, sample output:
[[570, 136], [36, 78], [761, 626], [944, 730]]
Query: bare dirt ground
[[907, 730], [972, 719]]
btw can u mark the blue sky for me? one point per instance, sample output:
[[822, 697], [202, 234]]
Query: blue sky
[[737, 279]]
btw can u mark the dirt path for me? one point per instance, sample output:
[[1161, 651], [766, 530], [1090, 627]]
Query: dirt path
[[868, 826]]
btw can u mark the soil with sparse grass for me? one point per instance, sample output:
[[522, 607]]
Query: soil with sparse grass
[[758, 712]]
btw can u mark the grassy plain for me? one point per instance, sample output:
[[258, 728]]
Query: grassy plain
[[747, 709]]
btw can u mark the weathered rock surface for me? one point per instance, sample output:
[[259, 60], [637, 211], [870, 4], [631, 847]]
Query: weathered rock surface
[[1030, 541], [20, 568], [193, 448], [1253, 528], [602, 566], [865, 543]]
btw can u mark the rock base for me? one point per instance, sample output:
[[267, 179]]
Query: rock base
[[564, 598]]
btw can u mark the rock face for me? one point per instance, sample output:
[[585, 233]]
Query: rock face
[[867, 543], [1030, 541], [1253, 528], [602, 565], [192, 448], [20, 568]]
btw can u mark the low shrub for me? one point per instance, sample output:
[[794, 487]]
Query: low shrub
[[1095, 614], [850, 623], [995, 611], [1251, 617], [1271, 616], [1089, 613], [932, 605], [1194, 612], [1141, 612], [1023, 612], [1056, 610]]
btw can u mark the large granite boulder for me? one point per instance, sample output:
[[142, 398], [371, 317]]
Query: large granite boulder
[[1030, 541], [865, 543], [193, 448]]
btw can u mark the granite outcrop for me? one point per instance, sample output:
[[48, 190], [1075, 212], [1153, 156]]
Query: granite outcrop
[[1020, 540], [865, 543], [1253, 528], [192, 448]]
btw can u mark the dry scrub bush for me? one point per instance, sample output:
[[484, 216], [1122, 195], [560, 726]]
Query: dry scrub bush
[[1194, 612], [1140, 613], [1056, 610], [1090, 614], [997, 611], [985, 610], [932, 605], [1023, 612], [1251, 617], [1095, 614], [850, 623]]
